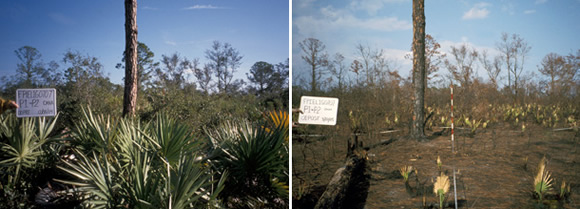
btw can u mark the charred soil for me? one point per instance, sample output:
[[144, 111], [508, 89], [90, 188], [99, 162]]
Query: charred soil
[[494, 168]]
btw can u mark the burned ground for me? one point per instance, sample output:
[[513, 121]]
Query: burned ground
[[495, 168]]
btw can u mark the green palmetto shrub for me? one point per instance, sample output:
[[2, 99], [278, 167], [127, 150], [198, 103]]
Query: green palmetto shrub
[[172, 139], [131, 164], [256, 158], [25, 150], [95, 132]]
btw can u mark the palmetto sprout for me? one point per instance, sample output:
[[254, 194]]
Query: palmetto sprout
[[405, 171], [475, 125], [472, 124], [543, 180], [354, 121], [571, 119], [439, 163], [563, 189], [441, 187], [485, 124]]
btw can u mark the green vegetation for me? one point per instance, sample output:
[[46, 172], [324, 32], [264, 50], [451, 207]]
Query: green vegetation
[[544, 187], [543, 180], [405, 171], [127, 163], [115, 162], [209, 142], [256, 159], [27, 147]]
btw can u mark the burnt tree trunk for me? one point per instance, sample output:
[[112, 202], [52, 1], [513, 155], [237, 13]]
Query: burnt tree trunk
[[417, 127], [338, 193], [131, 67]]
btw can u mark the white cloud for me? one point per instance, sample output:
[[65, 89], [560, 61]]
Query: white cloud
[[479, 71], [341, 28], [398, 56], [372, 6], [61, 19], [446, 46], [482, 4], [381, 24], [333, 19], [172, 43], [209, 6], [509, 8], [478, 11], [305, 3], [529, 12]]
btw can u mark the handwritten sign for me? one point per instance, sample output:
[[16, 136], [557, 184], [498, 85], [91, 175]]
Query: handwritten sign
[[318, 110], [36, 102]]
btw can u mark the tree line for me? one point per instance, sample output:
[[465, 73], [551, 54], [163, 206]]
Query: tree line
[[174, 83], [371, 85], [558, 74]]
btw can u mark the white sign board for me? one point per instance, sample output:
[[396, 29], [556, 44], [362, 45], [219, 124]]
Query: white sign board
[[36, 102], [318, 110]]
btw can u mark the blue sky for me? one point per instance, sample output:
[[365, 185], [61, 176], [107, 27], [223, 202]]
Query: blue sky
[[547, 25], [257, 28]]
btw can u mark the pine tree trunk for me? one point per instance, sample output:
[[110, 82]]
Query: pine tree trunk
[[417, 126], [131, 67]]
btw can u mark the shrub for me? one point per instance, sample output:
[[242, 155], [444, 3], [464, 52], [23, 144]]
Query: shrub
[[26, 149], [256, 157], [122, 163]]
